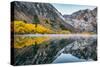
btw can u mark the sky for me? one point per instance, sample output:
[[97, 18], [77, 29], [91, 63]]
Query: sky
[[69, 8]]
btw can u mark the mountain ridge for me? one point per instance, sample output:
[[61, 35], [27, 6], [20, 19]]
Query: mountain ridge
[[83, 20], [48, 15]]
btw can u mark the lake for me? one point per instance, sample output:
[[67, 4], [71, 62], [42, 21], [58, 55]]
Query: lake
[[47, 49]]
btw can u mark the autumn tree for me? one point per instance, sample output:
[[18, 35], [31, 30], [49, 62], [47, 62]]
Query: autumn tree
[[20, 27]]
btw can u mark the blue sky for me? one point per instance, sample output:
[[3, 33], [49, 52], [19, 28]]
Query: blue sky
[[69, 8]]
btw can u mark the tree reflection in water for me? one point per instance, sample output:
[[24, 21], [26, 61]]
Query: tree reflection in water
[[44, 50]]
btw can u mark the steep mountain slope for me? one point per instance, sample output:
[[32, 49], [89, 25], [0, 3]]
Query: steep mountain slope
[[83, 20], [48, 15]]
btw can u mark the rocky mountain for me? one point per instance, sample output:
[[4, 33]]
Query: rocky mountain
[[83, 20], [48, 15]]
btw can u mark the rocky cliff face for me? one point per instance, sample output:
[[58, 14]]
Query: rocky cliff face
[[48, 15], [83, 20]]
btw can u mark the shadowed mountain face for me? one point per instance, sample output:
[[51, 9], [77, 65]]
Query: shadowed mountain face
[[83, 20], [48, 15]]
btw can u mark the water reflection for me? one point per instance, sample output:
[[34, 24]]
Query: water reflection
[[23, 41], [52, 49], [67, 58]]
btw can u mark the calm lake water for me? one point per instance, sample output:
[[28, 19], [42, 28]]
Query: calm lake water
[[46, 49]]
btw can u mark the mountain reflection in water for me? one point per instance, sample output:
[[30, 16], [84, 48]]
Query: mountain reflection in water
[[47, 49]]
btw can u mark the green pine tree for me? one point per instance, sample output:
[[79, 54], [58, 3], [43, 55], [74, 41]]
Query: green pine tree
[[36, 20]]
